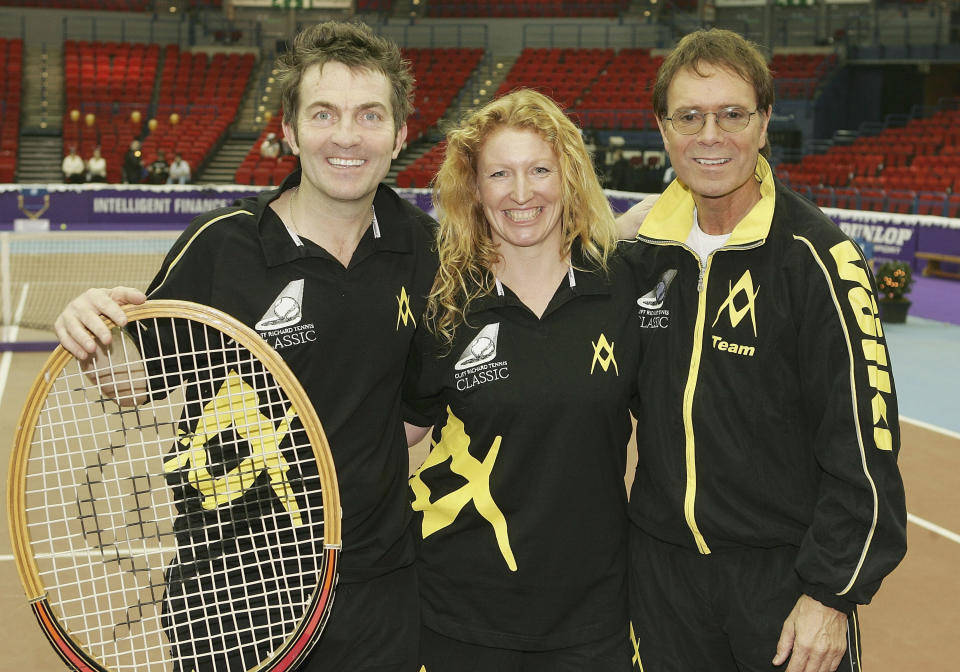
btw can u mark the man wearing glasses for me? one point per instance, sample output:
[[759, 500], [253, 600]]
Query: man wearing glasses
[[767, 503]]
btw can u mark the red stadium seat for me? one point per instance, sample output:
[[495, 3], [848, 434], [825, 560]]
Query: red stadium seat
[[873, 199], [244, 175], [823, 196], [263, 175], [847, 198], [901, 200], [953, 205], [931, 203]]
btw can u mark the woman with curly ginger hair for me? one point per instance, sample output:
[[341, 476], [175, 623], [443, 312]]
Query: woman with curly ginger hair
[[526, 369], [469, 255]]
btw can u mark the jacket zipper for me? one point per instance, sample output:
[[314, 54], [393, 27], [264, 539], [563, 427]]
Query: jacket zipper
[[689, 390], [693, 374]]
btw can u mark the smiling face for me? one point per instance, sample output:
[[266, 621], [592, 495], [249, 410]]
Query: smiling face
[[714, 163], [345, 133], [518, 184]]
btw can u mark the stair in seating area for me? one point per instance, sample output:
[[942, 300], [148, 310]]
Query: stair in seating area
[[223, 166], [40, 157], [413, 152]]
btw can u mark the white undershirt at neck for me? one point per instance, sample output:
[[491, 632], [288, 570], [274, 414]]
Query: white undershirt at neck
[[704, 243]]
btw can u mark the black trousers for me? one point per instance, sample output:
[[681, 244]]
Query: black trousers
[[722, 612], [444, 654], [374, 627]]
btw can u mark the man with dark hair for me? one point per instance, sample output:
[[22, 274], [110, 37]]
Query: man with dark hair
[[159, 170], [333, 42], [132, 164], [357, 261], [767, 503]]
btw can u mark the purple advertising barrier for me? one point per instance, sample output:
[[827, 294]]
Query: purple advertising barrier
[[62, 207], [881, 236], [939, 239], [420, 198], [898, 236], [621, 201]]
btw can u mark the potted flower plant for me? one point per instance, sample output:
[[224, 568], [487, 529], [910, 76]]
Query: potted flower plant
[[894, 281]]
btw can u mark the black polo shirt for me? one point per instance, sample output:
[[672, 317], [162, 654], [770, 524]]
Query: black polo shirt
[[521, 506], [344, 332]]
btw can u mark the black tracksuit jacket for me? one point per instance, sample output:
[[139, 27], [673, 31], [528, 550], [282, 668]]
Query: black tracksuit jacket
[[768, 409]]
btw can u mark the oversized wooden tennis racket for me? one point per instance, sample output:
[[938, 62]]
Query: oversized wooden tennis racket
[[174, 505]]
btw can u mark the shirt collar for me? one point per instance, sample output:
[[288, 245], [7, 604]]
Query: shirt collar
[[672, 215], [387, 232], [579, 282]]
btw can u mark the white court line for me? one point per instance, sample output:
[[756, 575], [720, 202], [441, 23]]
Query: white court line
[[932, 428], [10, 334], [5, 361], [927, 525], [916, 520], [98, 555]]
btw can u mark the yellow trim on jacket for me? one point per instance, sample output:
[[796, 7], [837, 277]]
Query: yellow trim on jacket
[[671, 217], [670, 220]]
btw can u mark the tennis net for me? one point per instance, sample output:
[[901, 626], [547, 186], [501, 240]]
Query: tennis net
[[41, 272]]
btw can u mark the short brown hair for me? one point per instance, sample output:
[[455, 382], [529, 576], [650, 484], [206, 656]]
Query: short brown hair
[[354, 45], [720, 48]]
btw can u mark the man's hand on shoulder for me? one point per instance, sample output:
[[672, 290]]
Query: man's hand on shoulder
[[629, 222]]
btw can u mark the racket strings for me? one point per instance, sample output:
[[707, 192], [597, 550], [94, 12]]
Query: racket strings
[[175, 507], [90, 548]]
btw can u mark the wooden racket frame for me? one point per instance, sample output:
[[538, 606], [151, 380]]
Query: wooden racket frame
[[298, 643]]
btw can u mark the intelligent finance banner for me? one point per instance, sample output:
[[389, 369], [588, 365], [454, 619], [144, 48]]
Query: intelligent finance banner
[[61, 207]]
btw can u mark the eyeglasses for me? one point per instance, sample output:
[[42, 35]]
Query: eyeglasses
[[731, 119]]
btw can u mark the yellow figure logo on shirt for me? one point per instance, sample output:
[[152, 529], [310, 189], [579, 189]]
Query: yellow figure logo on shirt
[[603, 355], [236, 404], [404, 314], [454, 445], [744, 285]]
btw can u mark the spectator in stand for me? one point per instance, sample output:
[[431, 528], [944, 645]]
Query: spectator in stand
[[133, 164], [651, 176], [179, 171], [621, 172], [73, 168], [270, 148], [96, 167], [668, 175], [159, 170]]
